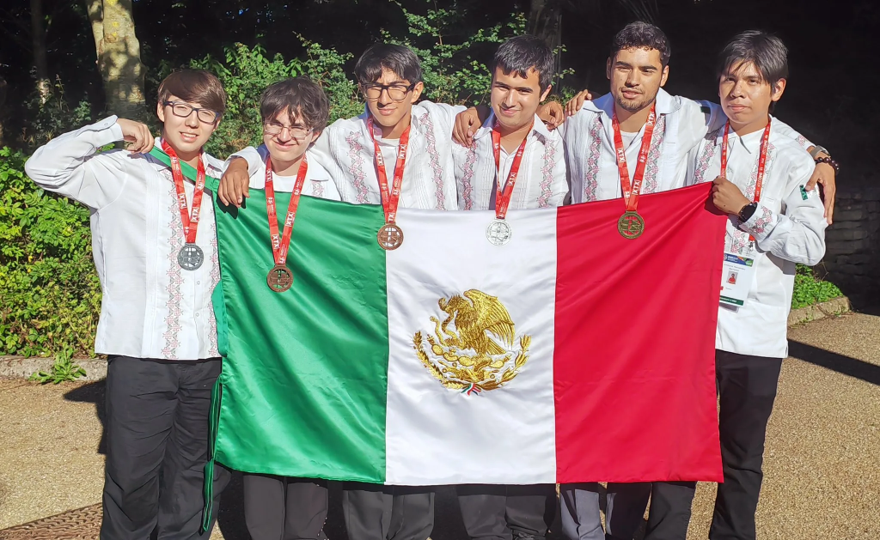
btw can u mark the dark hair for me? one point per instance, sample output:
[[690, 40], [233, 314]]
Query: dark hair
[[299, 95], [398, 58], [522, 53], [767, 52], [645, 36], [195, 86]]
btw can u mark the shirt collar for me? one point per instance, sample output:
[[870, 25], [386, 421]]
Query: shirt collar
[[747, 142], [538, 128], [666, 104], [210, 169]]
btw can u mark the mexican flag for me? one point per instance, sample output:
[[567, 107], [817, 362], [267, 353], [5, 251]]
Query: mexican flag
[[569, 354]]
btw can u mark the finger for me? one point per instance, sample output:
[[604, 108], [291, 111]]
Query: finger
[[830, 196], [221, 193], [814, 179], [239, 195], [245, 188]]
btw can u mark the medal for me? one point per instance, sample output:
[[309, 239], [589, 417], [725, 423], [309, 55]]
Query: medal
[[190, 257], [280, 277], [631, 225], [390, 236], [762, 165], [499, 231]]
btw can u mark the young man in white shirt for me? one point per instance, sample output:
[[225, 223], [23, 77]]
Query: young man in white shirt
[[774, 223], [154, 245], [395, 147], [514, 162], [294, 112]]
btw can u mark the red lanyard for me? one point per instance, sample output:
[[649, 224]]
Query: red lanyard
[[631, 191], [190, 223], [281, 243], [503, 194], [762, 160], [391, 199]]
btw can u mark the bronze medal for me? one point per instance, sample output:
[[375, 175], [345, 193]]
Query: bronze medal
[[630, 225], [390, 236], [280, 278]]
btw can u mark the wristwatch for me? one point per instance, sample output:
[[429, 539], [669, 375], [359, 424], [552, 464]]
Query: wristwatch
[[814, 153], [747, 212]]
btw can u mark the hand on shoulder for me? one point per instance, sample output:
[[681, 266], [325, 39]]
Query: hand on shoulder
[[137, 134]]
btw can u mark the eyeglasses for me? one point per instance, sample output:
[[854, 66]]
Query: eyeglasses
[[183, 110], [297, 133], [396, 91]]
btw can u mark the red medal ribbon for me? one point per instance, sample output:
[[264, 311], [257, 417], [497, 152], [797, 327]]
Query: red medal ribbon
[[631, 191], [762, 161], [281, 242], [392, 199], [190, 223], [503, 194]]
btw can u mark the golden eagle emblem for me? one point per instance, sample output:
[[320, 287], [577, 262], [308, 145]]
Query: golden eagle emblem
[[474, 348]]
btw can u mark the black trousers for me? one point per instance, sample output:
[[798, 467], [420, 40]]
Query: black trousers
[[279, 508], [746, 390], [375, 512], [157, 447], [501, 512]]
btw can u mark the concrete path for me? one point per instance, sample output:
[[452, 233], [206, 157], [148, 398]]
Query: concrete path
[[822, 467]]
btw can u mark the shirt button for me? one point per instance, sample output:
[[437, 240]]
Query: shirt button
[[198, 282], [198, 314]]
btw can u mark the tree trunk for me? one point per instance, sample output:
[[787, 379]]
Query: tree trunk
[[44, 85], [119, 56], [3, 87], [545, 21]]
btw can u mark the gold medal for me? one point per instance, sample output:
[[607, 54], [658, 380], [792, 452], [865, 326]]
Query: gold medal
[[630, 225], [390, 236], [280, 278]]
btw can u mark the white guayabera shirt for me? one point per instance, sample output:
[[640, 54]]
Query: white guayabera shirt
[[317, 182], [151, 307], [345, 149], [788, 227], [681, 125], [540, 183]]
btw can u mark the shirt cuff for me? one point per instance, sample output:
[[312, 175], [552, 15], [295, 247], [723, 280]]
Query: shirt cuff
[[761, 223], [106, 131]]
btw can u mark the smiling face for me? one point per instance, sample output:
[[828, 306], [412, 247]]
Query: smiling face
[[515, 99], [186, 135], [287, 137], [636, 75], [387, 112], [746, 96]]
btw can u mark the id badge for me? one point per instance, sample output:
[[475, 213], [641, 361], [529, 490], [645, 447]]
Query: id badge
[[737, 274]]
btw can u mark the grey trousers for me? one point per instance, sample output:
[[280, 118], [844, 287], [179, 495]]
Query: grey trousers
[[280, 508], [157, 447], [375, 512], [625, 507], [497, 512]]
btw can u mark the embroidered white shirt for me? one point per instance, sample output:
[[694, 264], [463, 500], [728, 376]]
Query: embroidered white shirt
[[317, 182], [541, 181], [680, 126], [345, 149], [151, 308], [788, 227]]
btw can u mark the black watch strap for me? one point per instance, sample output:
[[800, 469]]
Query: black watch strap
[[747, 212]]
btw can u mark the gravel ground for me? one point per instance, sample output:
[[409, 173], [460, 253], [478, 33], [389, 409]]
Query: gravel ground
[[822, 461]]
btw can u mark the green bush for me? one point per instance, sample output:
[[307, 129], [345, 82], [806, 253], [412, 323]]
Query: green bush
[[809, 290], [49, 292]]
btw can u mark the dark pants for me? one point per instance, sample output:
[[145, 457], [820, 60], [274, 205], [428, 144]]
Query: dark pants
[[157, 445], [746, 390], [375, 512], [624, 510], [279, 508], [496, 512]]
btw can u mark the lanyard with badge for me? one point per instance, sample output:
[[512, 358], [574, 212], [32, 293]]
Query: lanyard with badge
[[190, 257], [739, 270], [631, 224], [280, 277], [390, 234], [499, 232]]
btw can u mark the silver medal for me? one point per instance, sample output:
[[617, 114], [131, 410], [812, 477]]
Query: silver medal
[[498, 232], [190, 257]]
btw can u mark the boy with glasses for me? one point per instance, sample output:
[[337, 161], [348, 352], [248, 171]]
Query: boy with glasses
[[153, 242]]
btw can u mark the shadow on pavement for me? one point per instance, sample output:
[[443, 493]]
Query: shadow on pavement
[[93, 393], [845, 365]]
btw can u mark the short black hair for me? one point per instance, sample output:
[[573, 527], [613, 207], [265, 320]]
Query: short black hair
[[642, 35], [766, 52], [522, 53], [299, 95], [398, 58]]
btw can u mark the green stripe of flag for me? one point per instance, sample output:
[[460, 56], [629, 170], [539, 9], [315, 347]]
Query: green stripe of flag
[[329, 398]]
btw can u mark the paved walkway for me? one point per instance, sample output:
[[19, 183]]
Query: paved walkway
[[822, 467]]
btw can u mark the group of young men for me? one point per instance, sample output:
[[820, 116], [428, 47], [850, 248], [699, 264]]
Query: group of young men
[[158, 266]]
